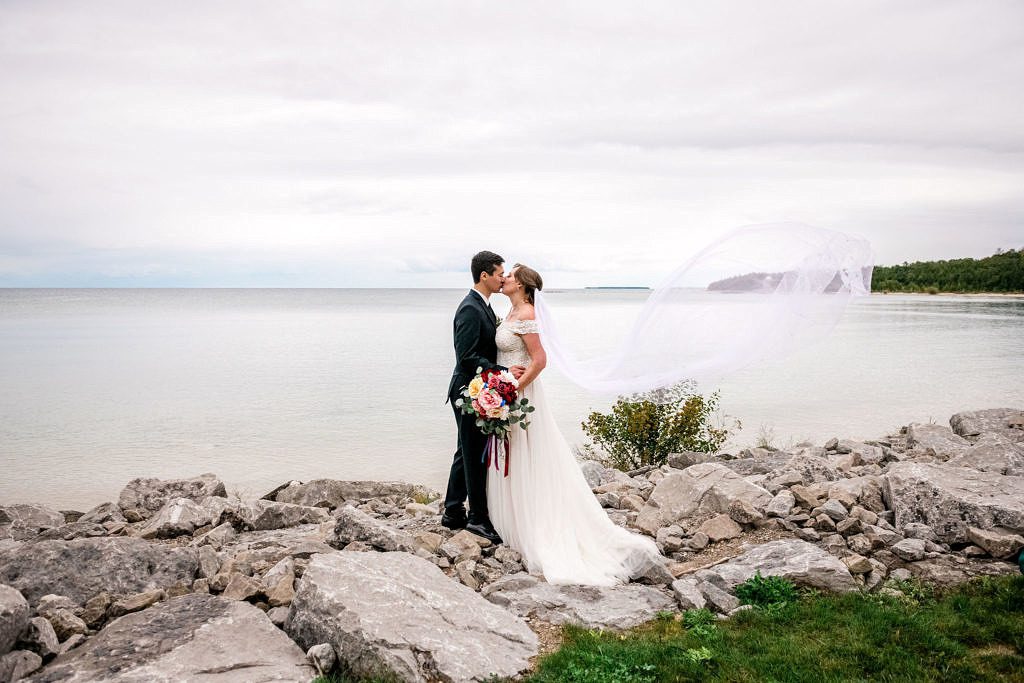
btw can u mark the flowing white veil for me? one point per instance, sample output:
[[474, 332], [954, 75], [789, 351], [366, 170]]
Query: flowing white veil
[[755, 294]]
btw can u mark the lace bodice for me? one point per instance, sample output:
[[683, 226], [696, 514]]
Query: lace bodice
[[511, 347]]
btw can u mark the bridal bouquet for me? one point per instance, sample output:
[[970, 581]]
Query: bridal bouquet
[[493, 397]]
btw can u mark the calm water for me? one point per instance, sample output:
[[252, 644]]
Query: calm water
[[263, 386]]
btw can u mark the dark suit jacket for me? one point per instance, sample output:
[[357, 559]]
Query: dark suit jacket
[[474, 329]]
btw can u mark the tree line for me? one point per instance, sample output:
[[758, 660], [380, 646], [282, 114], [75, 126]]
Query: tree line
[[1001, 272]]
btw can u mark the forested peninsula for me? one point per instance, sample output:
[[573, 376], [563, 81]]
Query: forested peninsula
[[1002, 272]]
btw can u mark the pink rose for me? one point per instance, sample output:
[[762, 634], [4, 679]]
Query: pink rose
[[477, 407], [493, 381], [488, 400]]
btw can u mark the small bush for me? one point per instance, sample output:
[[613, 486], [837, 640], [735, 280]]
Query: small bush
[[643, 429], [766, 591]]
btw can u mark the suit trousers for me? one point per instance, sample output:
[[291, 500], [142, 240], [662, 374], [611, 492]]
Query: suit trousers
[[468, 476]]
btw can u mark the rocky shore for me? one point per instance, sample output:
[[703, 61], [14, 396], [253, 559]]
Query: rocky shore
[[177, 581]]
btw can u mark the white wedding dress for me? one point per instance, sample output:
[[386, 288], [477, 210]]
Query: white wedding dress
[[544, 508]]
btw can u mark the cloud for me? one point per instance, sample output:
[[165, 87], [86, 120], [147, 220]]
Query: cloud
[[239, 141]]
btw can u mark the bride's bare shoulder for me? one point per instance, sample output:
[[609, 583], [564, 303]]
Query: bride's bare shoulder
[[527, 312]]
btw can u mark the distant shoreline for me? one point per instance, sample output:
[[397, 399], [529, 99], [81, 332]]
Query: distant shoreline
[[1010, 295]]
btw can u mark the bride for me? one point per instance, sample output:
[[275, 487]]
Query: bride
[[763, 291], [544, 507]]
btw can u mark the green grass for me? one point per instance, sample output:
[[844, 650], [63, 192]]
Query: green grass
[[974, 633]]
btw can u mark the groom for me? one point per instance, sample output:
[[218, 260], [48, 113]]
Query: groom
[[475, 325]]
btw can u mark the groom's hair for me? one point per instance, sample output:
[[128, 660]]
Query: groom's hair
[[484, 262]]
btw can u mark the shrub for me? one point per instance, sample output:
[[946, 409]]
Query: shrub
[[766, 591], [643, 429]]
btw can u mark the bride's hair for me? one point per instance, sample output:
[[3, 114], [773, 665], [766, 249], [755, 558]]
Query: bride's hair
[[530, 280]]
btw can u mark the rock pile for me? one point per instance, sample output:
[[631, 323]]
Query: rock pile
[[361, 576]]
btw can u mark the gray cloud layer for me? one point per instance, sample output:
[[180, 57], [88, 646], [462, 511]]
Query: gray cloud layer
[[379, 144]]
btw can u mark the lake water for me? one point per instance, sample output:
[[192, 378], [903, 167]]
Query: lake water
[[265, 385]]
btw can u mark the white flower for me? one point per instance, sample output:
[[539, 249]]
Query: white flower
[[507, 376]]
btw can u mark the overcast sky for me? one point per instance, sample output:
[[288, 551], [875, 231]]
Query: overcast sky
[[382, 143]]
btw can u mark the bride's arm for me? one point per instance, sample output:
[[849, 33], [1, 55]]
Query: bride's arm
[[538, 357]]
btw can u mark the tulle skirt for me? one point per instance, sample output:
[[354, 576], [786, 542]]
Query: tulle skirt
[[545, 509]]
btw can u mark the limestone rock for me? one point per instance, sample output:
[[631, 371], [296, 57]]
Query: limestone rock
[[950, 570], [134, 603], [242, 587], [865, 490], [141, 498], [322, 657], [188, 638], [993, 453], [938, 441], [835, 510], [717, 599], [13, 617], [681, 461], [743, 512], [858, 564], [952, 499], [997, 542], [104, 512], [801, 562], [720, 528], [23, 521], [606, 607], [812, 467], [279, 583], [217, 537], [65, 624], [393, 613], [263, 515], [1000, 421], [781, 504], [688, 594], [699, 489], [356, 525], [909, 549], [94, 612], [14, 666], [84, 567], [39, 637], [178, 517], [334, 493]]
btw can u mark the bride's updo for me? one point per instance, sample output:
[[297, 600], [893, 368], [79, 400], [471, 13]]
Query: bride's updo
[[530, 280]]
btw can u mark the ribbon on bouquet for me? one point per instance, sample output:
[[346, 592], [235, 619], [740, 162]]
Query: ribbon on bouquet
[[494, 449]]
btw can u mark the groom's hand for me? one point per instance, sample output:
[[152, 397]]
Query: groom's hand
[[517, 371]]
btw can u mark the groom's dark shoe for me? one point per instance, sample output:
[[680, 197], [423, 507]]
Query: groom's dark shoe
[[453, 520], [484, 530]]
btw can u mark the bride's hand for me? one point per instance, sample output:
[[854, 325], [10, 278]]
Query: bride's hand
[[517, 371]]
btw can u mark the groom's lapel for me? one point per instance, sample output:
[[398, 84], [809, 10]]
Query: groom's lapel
[[485, 309]]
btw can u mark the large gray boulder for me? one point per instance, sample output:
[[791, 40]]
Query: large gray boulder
[[803, 563], [142, 497], [993, 453], [934, 440], [1005, 422], [332, 493], [397, 614], [13, 617], [605, 607], [178, 517], [355, 525], [195, 637], [264, 515], [952, 499], [699, 489], [81, 568], [23, 521]]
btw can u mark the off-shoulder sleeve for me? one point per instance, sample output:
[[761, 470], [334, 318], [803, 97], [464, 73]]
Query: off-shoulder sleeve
[[525, 327]]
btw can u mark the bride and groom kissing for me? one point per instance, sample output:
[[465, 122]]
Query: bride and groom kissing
[[543, 506]]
